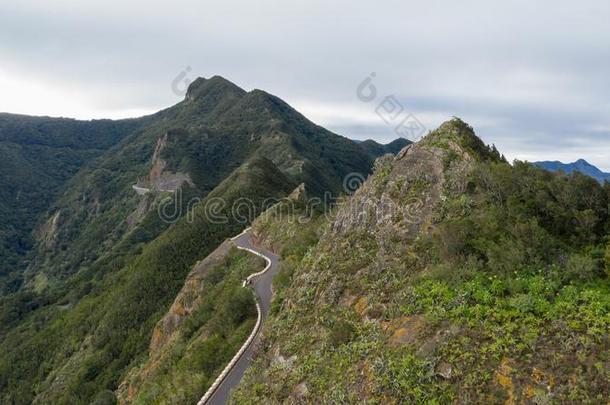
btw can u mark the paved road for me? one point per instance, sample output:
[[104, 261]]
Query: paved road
[[262, 287]]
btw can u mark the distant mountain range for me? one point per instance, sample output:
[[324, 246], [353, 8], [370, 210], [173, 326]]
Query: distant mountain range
[[580, 165]]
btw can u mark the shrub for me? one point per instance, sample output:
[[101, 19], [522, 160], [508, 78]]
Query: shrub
[[341, 333], [241, 305], [581, 268], [105, 397]]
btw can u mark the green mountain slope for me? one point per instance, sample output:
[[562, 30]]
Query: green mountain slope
[[37, 156], [106, 264], [449, 277], [90, 342], [197, 142]]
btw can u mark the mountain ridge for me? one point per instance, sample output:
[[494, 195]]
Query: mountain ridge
[[406, 293], [581, 165], [377, 149]]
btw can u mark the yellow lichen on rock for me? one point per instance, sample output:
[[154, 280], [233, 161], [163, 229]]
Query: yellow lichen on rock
[[504, 379], [361, 305], [408, 330]]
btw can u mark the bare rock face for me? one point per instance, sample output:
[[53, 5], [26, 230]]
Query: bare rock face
[[47, 232], [136, 217], [298, 194], [160, 179], [403, 200], [400, 199], [300, 392], [158, 164]]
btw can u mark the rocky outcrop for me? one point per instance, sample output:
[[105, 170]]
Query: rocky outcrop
[[299, 194], [356, 281], [293, 206], [46, 234], [138, 215], [405, 191], [159, 178], [402, 200]]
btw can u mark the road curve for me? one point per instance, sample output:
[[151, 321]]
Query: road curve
[[219, 392]]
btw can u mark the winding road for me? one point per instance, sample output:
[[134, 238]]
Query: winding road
[[219, 392]]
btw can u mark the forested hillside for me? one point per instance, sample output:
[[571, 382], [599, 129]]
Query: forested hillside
[[37, 156], [106, 264], [376, 149]]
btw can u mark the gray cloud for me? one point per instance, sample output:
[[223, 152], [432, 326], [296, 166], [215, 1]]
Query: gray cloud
[[529, 76]]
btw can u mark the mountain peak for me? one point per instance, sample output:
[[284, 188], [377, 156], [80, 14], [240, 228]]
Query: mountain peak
[[456, 124], [457, 133], [216, 86], [258, 106], [454, 129]]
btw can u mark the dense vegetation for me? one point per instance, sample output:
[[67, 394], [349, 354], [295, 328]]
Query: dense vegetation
[[496, 292], [376, 149], [105, 267], [108, 328], [209, 135], [206, 341], [37, 156]]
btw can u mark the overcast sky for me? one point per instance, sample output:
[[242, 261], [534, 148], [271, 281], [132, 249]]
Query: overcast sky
[[533, 77]]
